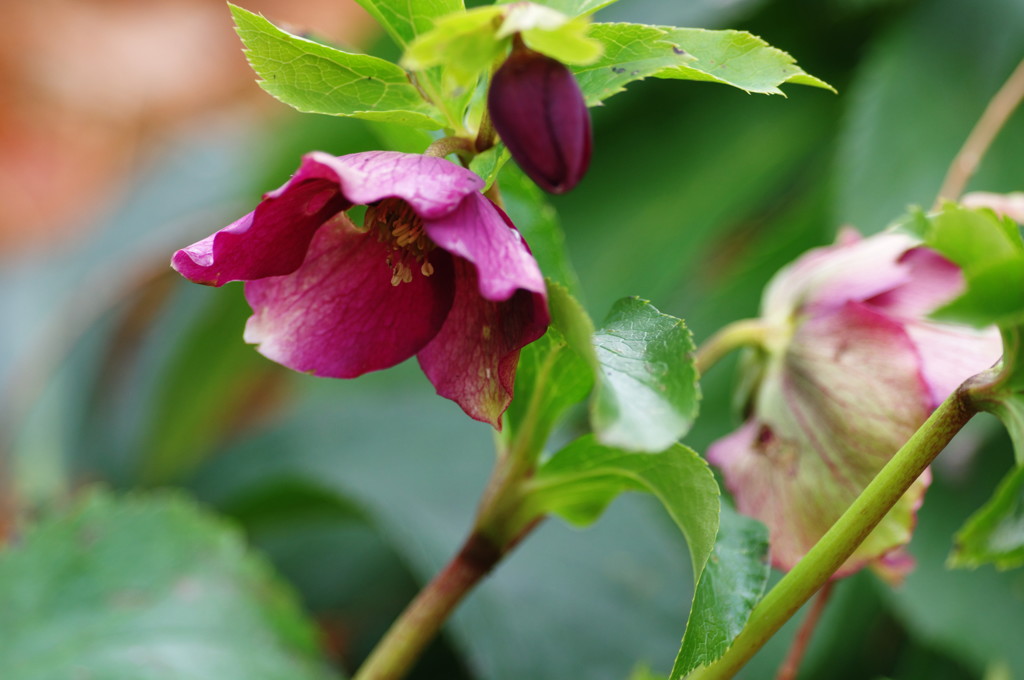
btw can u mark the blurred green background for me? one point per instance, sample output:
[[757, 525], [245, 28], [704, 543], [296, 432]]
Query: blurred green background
[[114, 371]]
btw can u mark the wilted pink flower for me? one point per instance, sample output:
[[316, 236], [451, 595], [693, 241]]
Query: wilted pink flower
[[436, 271], [537, 108], [851, 368]]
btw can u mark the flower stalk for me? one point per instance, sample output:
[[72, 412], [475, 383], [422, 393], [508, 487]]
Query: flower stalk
[[498, 529], [395, 654], [817, 567]]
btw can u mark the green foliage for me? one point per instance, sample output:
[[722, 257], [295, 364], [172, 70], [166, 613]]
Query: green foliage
[[146, 588], [732, 584], [550, 379], [647, 396], [995, 533], [579, 482], [990, 252], [404, 20], [636, 51], [570, 7], [315, 78], [736, 58], [466, 45]]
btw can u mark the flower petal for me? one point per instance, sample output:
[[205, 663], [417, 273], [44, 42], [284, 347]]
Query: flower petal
[[338, 315], [432, 186], [933, 281], [481, 233], [473, 358], [826, 278], [270, 241], [952, 353], [829, 415]]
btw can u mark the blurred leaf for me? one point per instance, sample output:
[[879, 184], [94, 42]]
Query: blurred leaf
[[146, 587], [990, 252], [315, 78], [413, 462], [637, 51], [404, 20], [206, 388], [538, 222], [573, 322], [570, 7], [561, 36], [489, 163], [579, 482], [732, 584], [995, 533], [465, 44], [648, 395], [896, 145]]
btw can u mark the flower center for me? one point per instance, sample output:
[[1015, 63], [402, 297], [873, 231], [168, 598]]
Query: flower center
[[399, 226]]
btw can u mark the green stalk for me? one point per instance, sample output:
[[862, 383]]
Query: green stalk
[[498, 529], [738, 334], [849, 531]]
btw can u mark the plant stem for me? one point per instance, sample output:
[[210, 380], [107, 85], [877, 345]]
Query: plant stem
[[497, 530], [791, 666], [446, 145], [849, 531], [992, 120], [419, 623], [733, 336]]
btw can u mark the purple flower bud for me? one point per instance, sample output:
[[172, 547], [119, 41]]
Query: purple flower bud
[[538, 110]]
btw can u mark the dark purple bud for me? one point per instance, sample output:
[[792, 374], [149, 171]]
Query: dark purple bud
[[538, 110]]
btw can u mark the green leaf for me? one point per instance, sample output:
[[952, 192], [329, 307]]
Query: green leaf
[[631, 52], [990, 252], [571, 8], [995, 533], [466, 45], [637, 51], [489, 163], [404, 19], [420, 485], [537, 221], [579, 482], [648, 394], [315, 78], [736, 58], [552, 33], [549, 380], [147, 588], [733, 582], [573, 322]]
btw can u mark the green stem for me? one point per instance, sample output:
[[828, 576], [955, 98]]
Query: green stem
[[446, 145], [498, 529], [419, 623], [849, 531], [738, 334]]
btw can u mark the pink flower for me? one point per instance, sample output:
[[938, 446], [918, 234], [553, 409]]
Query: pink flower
[[851, 367], [436, 271]]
